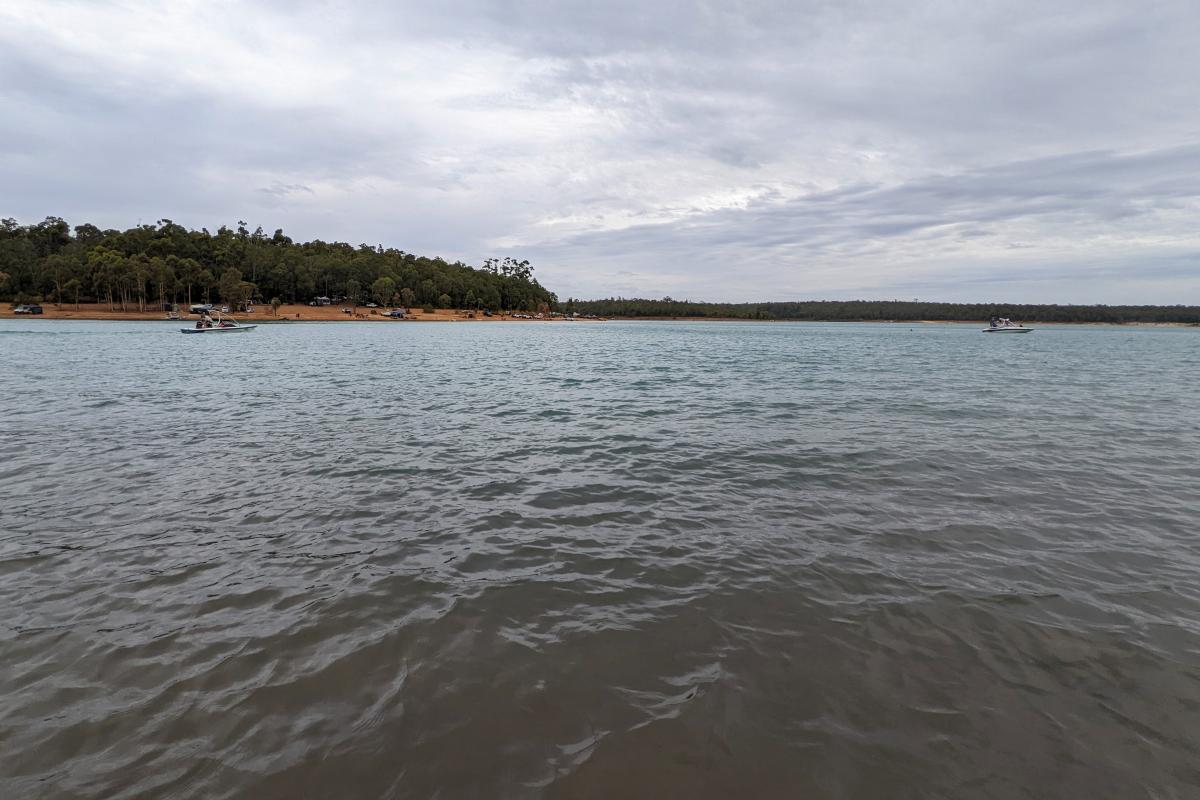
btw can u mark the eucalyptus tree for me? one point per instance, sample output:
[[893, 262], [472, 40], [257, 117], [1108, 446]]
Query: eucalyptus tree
[[277, 266], [382, 290]]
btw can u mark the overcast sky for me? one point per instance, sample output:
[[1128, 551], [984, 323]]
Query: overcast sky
[[1041, 151]]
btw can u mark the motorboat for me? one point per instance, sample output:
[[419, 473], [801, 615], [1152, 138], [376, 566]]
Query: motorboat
[[220, 325], [225, 327], [1005, 325]]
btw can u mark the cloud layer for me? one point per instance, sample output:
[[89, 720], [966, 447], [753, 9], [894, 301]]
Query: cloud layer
[[987, 151]]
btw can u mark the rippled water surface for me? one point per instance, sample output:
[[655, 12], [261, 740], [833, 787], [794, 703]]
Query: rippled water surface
[[598, 560]]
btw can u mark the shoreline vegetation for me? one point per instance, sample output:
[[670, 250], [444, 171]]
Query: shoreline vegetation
[[146, 271], [886, 311], [290, 313], [153, 268], [287, 314]]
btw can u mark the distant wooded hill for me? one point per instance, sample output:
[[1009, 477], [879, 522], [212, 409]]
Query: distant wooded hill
[[853, 310], [167, 263]]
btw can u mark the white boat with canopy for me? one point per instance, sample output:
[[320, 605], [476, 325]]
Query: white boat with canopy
[[222, 324], [1005, 325]]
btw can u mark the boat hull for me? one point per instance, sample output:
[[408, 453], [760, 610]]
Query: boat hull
[[235, 329], [1008, 330]]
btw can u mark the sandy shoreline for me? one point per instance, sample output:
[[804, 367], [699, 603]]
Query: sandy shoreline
[[306, 313], [264, 314]]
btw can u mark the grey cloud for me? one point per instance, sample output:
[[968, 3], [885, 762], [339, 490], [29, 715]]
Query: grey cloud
[[284, 189], [1058, 190], [1061, 195]]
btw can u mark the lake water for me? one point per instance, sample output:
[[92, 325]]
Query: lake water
[[602, 560]]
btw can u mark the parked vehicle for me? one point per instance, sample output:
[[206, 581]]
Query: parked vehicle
[[30, 308], [200, 308]]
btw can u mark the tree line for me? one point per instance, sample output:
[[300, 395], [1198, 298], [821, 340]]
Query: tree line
[[883, 310], [152, 266]]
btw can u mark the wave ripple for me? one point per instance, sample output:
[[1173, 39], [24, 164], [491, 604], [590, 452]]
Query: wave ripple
[[642, 560]]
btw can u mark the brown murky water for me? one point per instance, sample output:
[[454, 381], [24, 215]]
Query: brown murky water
[[618, 560]]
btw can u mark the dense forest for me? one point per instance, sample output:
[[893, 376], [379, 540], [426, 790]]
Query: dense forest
[[151, 266], [880, 310]]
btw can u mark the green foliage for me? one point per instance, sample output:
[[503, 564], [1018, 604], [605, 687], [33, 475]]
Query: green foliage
[[166, 262], [71, 289], [882, 310], [206, 280], [382, 290], [235, 292]]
